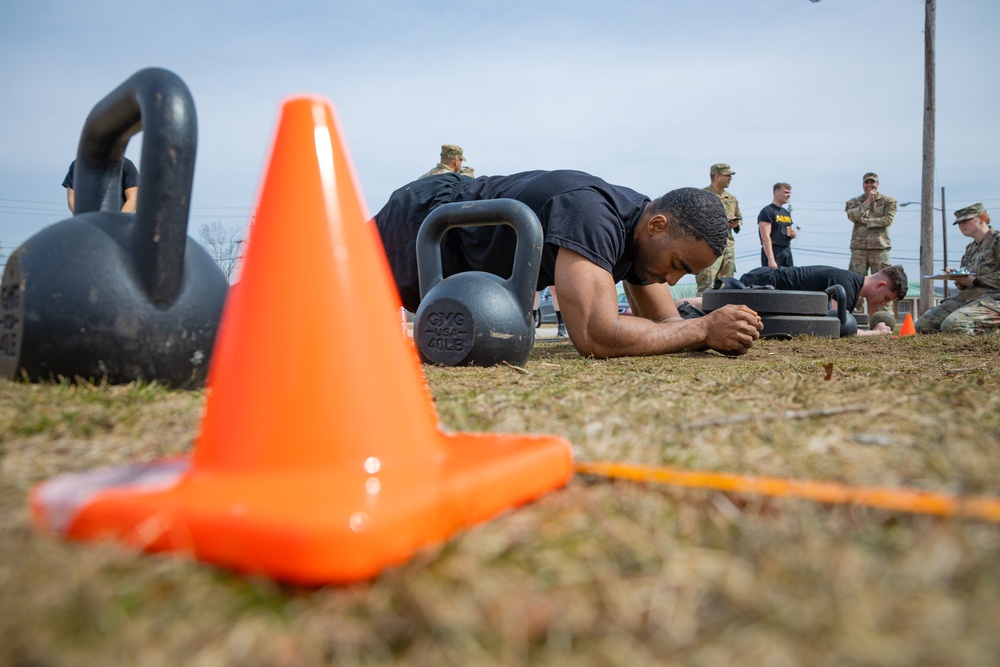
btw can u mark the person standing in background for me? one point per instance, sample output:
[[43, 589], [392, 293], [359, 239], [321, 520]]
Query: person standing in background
[[722, 175], [452, 158], [776, 231], [129, 191], [872, 213]]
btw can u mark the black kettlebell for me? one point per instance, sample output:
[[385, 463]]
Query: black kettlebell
[[118, 296], [848, 324], [476, 317]]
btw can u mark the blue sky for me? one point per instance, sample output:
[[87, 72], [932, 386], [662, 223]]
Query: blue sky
[[646, 94]]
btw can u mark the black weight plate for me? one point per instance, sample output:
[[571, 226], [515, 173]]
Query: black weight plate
[[821, 327], [767, 301], [861, 318]]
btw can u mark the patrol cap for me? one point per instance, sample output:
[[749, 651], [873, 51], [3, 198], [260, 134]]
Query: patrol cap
[[870, 175], [968, 212], [451, 151], [467, 171], [721, 168]]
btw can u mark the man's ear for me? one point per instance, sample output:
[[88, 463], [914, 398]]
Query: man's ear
[[657, 223]]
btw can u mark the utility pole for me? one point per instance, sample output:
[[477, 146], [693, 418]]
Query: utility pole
[[927, 180], [944, 240]]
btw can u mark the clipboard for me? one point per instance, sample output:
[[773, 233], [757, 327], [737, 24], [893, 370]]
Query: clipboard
[[948, 276]]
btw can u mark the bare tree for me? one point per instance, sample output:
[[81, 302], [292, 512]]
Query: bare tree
[[224, 244]]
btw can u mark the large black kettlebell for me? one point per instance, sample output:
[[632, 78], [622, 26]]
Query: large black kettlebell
[[475, 317], [113, 296], [848, 323]]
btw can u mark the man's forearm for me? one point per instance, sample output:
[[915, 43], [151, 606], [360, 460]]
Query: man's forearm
[[765, 244], [131, 199], [588, 298], [635, 336], [864, 214], [856, 214], [880, 222]]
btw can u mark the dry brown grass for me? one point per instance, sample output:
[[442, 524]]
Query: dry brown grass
[[599, 573]]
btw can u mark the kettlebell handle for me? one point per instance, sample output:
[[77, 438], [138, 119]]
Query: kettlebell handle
[[157, 102], [837, 292], [527, 255]]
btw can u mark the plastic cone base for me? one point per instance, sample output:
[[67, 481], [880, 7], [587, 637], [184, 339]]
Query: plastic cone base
[[320, 459], [304, 527]]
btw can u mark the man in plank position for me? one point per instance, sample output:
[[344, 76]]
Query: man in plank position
[[595, 234]]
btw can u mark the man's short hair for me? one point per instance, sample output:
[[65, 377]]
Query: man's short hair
[[778, 186], [896, 277], [699, 214]]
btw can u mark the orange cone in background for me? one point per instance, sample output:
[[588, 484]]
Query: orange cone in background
[[320, 458], [907, 329]]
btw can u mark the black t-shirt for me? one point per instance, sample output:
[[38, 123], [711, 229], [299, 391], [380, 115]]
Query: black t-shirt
[[576, 210], [807, 279], [130, 178], [780, 219]]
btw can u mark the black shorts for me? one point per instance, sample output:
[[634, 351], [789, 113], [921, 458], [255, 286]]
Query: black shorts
[[762, 275], [399, 221], [782, 255]]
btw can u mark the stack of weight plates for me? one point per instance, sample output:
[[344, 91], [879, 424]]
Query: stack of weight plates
[[785, 313]]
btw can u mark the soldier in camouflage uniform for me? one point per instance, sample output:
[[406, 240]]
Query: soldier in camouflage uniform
[[467, 171], [976, 307], [451, 161], [725, 266], [871, 213]]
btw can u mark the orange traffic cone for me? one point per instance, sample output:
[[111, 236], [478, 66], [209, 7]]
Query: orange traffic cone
[[907, 329], [320, 458]]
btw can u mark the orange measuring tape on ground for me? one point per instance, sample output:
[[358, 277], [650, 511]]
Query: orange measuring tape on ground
[[906, 500]]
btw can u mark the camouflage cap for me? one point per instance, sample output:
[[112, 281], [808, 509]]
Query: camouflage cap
[[451, 151], [871, 175], [720, 168], [968, 212], [467, 171]]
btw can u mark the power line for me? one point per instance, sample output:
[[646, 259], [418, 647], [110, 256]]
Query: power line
[[44, 213], [62, 204], [31, 201], [816, 251]]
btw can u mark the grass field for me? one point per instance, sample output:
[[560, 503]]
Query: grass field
[[601, 572]]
